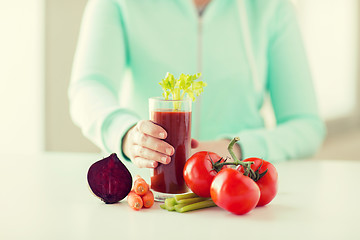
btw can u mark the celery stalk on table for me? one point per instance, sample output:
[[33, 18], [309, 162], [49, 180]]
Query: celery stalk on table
[[186, 202]]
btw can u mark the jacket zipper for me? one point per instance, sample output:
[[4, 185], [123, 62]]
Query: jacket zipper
[[199, 69]]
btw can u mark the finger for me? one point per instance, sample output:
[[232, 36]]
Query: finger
[[153, 143], [140, 151], [194, 143], [152, 129], [144, 163]]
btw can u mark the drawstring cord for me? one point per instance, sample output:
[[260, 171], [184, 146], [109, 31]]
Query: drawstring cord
[[249, 50]]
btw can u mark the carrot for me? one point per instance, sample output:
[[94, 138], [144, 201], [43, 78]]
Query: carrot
[[140, 186], [148, 199], [135, 201]]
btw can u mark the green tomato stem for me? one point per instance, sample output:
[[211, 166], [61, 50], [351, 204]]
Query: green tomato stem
[[231, 151], [246, 165]]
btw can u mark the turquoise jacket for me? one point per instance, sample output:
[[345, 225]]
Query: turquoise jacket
[[245, 49]]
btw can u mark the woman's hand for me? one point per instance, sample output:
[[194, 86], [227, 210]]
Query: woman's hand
[[145, 146]]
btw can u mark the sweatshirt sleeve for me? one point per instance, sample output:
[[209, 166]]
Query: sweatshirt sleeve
[[98, 70], [300, 131]]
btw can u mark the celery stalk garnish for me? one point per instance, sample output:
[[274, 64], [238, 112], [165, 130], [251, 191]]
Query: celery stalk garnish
[[177, 89]]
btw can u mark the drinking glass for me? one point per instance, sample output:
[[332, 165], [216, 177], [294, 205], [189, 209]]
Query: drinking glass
[[175, 117]]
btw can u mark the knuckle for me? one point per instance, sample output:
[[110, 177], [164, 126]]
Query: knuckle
[[142, 138], [141, 150], [139, 138], [157, 146], [141, 125]]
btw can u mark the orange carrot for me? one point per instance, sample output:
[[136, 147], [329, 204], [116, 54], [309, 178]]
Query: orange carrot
[[135, 201], [140, 186], [148, 199]]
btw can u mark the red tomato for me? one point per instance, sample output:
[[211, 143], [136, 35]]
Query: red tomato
[[199, 172], [268, 183], [234, 192]]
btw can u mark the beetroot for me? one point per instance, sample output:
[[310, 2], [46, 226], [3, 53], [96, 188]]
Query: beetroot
[[109, 179]]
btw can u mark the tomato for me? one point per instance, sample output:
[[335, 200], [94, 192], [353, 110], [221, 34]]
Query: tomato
[[199, 172], [268, 183], [234, 192]]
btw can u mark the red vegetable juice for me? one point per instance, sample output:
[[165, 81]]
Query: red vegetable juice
[[173, 113], [168, 178]]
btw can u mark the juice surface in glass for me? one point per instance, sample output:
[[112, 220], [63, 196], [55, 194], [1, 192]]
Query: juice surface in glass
[[168, 178]]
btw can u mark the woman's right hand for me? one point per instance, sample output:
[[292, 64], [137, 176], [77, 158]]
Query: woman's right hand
[[144, 145]]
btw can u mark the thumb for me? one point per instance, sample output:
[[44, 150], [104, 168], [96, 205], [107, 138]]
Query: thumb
[[194, 143]]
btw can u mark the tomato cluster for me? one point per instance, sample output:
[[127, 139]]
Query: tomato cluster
[[238, 190]]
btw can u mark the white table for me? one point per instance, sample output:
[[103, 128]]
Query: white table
[[47, 197]]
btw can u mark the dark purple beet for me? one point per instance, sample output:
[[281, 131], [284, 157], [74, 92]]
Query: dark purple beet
[[109, 179]]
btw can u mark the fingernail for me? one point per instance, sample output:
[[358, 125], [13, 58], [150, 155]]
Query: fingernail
[[162, 135], [164, 159], [168, 151]]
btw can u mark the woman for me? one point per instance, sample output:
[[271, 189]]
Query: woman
[[245, 49]]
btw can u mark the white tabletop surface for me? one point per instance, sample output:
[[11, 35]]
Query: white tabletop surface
[[46, 197]]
